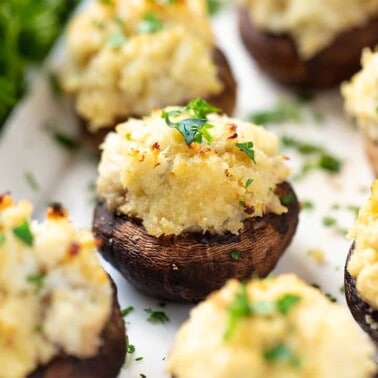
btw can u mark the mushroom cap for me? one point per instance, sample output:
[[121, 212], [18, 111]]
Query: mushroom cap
[[190, 266]]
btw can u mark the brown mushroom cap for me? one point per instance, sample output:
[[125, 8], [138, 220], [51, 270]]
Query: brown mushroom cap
[[105, 364], [190, 266], [278, 57], [360, 310], [225, 101]]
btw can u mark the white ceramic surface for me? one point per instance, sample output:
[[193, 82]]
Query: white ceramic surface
[[26, 146]]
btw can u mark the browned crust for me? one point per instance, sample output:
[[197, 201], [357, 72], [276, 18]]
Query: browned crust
[[371, 148], [225, 101], [105, 364], [278, 57], [358, 307], [189, 267]]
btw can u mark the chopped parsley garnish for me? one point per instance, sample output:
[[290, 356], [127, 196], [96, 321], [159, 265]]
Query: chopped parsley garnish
[[37, 280], [2, 239], [130, 348], [150, 23], [235, 254], [196, 128], [282, 353], [126, 311], [116, 40], [307, 205], [317, 156], [248, 183], [31, 180], [240, 308], [200, 108], [156, 316], [142, 375], [62, 139], [214, 6], [287, 199], [330, 297], [328, 221], [286, 303], [23, 233], [139, 359], [285, 111], [247, 148]]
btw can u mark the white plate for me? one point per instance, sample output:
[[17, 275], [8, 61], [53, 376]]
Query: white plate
[[26, 147]]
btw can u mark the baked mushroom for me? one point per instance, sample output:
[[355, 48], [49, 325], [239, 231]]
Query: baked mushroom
[[125, 58], [59, 315], [361, 278], [189, 199], [308, 45], [360, 101], [276, 327]]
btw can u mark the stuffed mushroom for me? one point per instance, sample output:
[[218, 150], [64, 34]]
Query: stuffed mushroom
[[360, 101], [59, 315], [278, 327], [308, 44], [190, 198], [125, 58], [361, 269]]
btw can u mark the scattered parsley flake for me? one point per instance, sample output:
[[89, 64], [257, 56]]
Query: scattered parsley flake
[[330, 297], [142, 375], [247, 148], [156, 316], [150, 23], [330, 163], [126, 311], [282, 353], [307, 205], [2, 239], [199, 108], [31, 180], [287, 199], [287, 302], [130, 348], [37, 280], [239, 308], [23, 233], [248, 183], [328, 221], [235, 254], [116, 40], [139, 359]]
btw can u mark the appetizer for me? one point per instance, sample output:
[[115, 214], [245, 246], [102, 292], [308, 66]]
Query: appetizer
[[310, 44], [59, 315], [127, 57], [190, 198], [278, 327], [361, 100], [361, 278]]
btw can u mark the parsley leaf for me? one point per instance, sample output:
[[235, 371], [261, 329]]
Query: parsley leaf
[[150, 23], [238, 308], [192, 129], [235, 254], [286, 303], [127, 311], [200, 108], [282, 353], [247, 147], [2, 239], [24, 233], [248, 183], [116, 40], [156, 316], [37, 280]]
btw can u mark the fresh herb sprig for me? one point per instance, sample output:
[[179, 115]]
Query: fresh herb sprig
[[241, 307], [197, 127], [27, 31]]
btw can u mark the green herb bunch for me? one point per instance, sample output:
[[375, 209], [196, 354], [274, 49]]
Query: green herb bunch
[[28, 28]]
